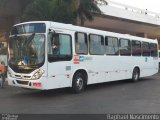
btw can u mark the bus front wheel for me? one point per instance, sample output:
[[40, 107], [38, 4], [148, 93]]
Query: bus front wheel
[[135, 75], [78, 83]]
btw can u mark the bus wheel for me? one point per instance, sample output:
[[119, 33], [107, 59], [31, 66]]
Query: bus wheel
[[135, 75], [78, 82]]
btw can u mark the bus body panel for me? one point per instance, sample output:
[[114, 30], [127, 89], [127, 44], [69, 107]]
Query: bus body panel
[[99, 68]]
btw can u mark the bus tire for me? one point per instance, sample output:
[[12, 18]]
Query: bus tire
[[135, 75], [78, 82]]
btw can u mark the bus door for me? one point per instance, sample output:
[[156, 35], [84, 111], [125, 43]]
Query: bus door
[[59, 58]]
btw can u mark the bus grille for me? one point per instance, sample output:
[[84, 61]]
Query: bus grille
[[22, 82], [22, 77]]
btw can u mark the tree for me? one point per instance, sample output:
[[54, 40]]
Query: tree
[[85, 10], [50, 10], [66, 11], [38, 10], [3, 2], [22, 3]]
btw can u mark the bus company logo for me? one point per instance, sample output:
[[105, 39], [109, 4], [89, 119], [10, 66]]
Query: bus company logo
[[76, 59], [81, 58]]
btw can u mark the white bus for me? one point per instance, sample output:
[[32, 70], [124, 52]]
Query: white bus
[[48, 55]]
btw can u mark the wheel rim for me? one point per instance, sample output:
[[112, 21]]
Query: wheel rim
[[79, 82], [136, 75]]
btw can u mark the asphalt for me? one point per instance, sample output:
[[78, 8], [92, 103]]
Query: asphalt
[[112, 97]]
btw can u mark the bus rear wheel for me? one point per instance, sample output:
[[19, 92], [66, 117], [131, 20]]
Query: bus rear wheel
[[135, 75], [78, 82]]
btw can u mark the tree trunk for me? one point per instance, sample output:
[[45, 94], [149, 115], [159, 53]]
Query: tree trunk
[[77, 4], [82, 22]]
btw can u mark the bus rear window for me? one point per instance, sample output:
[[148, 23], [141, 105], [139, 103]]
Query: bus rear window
[[29, 28]]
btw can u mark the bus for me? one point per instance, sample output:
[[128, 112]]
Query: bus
[[48, 55]]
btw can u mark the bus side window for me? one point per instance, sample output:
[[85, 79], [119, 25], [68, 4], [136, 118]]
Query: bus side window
[[55, 45], [154, 49], [125, 47], [136, 48], [111, 44], [65, 45], [50, 43], [60, 47], [81, 43], [96, 44], [145, 49]]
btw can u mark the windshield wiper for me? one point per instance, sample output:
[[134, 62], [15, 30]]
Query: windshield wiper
[[29, 39], [24, 46]]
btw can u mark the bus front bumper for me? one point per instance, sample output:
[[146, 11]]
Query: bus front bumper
[[30, 84]]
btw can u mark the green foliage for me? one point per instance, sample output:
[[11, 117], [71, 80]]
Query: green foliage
[[65, 11], [3, 3], [86, 10], [38, 10], [49, 10]]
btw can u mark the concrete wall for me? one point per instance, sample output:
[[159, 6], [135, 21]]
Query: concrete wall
[[131, 13]]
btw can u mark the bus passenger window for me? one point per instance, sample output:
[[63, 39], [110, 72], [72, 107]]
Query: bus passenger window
[[153, 49], [59, 48], [125, 47], [55, 45], [145, 49], [136, 48], [65, 45], [96, 45], [81, 44], [111, 46]]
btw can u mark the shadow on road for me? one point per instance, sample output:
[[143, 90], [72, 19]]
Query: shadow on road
[[41, 94], [21, 92]]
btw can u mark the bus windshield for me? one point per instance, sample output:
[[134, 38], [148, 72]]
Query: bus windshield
[[26, 52]]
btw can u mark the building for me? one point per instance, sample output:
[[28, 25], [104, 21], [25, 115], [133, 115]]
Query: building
[[115, 17], [127, 20]]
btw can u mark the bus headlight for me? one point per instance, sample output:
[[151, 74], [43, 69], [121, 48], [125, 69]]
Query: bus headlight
[[38, 74]]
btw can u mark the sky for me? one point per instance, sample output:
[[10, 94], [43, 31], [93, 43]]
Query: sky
[[151, 5]]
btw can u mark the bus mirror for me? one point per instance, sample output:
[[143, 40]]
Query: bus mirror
[[52, 31]]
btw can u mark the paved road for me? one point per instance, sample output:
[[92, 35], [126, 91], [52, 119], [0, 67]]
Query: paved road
[[113, 97]]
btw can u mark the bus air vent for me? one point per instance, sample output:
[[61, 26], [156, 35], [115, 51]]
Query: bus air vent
[[22, 82]]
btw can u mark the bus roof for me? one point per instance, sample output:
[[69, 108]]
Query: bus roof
[[71, 27]]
